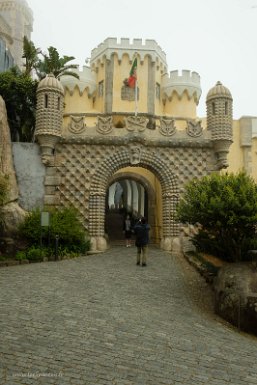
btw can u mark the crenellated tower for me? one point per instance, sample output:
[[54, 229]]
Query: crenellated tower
[[181, 93], [112, 59], [219, 121]]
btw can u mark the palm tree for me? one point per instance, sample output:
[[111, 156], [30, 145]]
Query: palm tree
[[30, 54], [56, 65]]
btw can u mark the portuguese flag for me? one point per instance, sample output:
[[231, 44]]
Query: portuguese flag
[[131, 81]]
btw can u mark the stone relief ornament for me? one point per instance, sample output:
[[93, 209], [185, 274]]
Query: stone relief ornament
[[77, 124], [167, 127], [135, 155], [134, 123], [194, 128], [104, 125]]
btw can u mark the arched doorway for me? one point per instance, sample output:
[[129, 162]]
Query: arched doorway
[[133, 155], [130, 193]]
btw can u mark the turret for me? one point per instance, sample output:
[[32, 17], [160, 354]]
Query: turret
[[219, 121], [49, 115], [181, 93]]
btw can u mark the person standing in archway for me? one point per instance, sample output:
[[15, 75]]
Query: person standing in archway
[[128, 230], [141, 230]]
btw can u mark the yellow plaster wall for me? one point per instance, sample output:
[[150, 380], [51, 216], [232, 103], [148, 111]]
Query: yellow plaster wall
[[121, 72], [183, 106], [159, 107], [76, 103], [254, 158], [100, 76], [235, 155]]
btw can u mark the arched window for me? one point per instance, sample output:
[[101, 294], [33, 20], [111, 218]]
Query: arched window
[[213, 108], [46, 101], [58, 103], [226, 108]]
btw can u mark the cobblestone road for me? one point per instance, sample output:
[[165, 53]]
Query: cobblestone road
[[102, 320]]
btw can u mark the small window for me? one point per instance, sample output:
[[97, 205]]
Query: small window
[[213, 109], [101, 88], [226, 108], [58, 103], [158, 91], [46, 101]]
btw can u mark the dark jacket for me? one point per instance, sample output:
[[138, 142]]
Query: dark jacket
[[141, 231]]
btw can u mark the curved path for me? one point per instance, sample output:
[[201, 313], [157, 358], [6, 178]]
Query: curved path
[[102, 320]]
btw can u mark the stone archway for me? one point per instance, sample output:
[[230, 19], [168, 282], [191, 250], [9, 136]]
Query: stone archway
[[133, 155], [151, 195]]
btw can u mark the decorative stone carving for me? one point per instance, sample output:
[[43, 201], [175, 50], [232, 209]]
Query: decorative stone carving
[[128, 93], [167, 127], [194, 128], [135, 155], [77, 124], [104, 125], [134, 123], [221, 148]]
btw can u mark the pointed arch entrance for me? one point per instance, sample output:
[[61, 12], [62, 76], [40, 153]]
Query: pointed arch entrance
[[134, 155]]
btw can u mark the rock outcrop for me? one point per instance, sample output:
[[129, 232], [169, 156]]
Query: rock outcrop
[[236, 295], [11, 212]]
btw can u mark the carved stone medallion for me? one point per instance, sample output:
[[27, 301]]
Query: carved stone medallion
[[77, 124], [167, 127], [104, 125], [134, 123], [194, 128]]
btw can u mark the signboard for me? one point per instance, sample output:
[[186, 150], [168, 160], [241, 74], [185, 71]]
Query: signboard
[[45, 219]]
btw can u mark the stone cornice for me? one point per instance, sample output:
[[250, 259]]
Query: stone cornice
[[184, 142]]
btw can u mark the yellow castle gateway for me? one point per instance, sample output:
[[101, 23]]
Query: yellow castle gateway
[[107, 154]]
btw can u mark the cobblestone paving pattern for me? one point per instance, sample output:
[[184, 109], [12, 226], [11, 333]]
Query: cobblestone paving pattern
[[102, 320]]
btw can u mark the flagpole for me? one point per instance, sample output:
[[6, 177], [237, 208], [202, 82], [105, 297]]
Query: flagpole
[[136, 99], [136, 106]]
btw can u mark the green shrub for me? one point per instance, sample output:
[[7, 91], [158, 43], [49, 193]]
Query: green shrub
[[20, 255], [225, 207], [34, 254], [64, 223]]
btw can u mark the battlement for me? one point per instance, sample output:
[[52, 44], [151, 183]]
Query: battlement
[[124, 45], [181, 82], [87, 79], [185, 77]]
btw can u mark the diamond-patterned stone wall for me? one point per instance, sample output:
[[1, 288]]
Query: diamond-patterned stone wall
[[82, 173]]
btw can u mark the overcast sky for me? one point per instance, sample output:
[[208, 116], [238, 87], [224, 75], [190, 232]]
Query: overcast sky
[[216, 38]]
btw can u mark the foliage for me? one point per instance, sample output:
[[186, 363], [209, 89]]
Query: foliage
[[21, 255], [19, 93], [63, 222], [4, 189], [53, 63], [225, 208], [30, 54]]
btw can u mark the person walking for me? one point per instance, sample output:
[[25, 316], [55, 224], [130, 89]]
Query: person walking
[[141, 230], [128, 230]]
